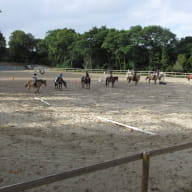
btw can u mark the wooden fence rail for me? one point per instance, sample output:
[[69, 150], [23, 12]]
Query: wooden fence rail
[[145, 156]]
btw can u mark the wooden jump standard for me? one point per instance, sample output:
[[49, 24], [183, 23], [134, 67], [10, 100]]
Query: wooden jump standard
[[145, 156]]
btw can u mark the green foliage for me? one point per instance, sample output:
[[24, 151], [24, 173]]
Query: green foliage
[[2, 46], [21, 46], [180, 63], [164, 59], [138, 48], [188, 65], [59, 43]]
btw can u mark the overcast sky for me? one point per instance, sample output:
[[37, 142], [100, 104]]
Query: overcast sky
[[39, 16]]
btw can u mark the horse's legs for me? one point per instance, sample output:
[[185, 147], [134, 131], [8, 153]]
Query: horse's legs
[[82, 83], [65, 84], [106, 83], [112, 83]]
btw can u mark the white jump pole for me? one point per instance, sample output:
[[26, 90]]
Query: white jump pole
[[130, 127], [37, 98]]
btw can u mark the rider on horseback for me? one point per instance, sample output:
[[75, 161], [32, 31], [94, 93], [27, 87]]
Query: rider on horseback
[[59, 77], [134, 75], [35, 78], [87, 75], [111, 75]]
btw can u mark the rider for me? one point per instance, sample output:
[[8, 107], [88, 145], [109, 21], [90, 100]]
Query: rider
[[154, 74], [158, 72], [87, 75], [60, 76], [134, 75], [35, 78], [111, 75]]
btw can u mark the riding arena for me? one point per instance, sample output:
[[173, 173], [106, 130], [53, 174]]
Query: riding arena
[[66, 128]]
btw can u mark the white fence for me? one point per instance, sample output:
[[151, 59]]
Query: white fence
[[144, 73]]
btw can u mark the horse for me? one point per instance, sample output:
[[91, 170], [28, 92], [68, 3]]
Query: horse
[[59, 82], [39, 83], [189, 77], [85, 82], [111, 80], [135, 78], [156, 77], [152, 77]]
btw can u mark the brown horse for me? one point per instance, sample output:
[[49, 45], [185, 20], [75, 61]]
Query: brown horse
[[135, 78], [189, 77], [39, 83], [111, 80], [152, 77], [159, 77]]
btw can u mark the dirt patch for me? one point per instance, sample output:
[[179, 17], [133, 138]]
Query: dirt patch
[[37, 139]]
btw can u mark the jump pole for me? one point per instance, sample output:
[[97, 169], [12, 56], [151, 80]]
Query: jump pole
[[37, 98], [130, 127]]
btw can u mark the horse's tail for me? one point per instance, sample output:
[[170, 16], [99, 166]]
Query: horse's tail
[[65, 83]]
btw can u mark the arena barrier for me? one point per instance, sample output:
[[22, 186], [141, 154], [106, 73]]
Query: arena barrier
[[142, 73], [145, 157]]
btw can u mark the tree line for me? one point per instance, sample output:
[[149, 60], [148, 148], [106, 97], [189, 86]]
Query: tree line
[[139, 48]]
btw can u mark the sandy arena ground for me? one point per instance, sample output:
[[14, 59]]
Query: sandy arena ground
[[38, 140]]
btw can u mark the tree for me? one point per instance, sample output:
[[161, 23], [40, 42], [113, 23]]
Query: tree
[[59, 43], [155, 39], [21, 46], [2, 46], [180, 63], [41, 51], [111, 45], [188, 66], [184, 46]]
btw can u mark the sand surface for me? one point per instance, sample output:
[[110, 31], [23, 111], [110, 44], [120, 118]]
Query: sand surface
[[39, 139]]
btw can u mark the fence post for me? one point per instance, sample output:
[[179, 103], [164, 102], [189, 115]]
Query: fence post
[[145, 172]]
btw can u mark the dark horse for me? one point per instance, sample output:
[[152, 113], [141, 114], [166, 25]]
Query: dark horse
[[59, 82], [111, 80], [30, 84], [86, 82], [135, 78]]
